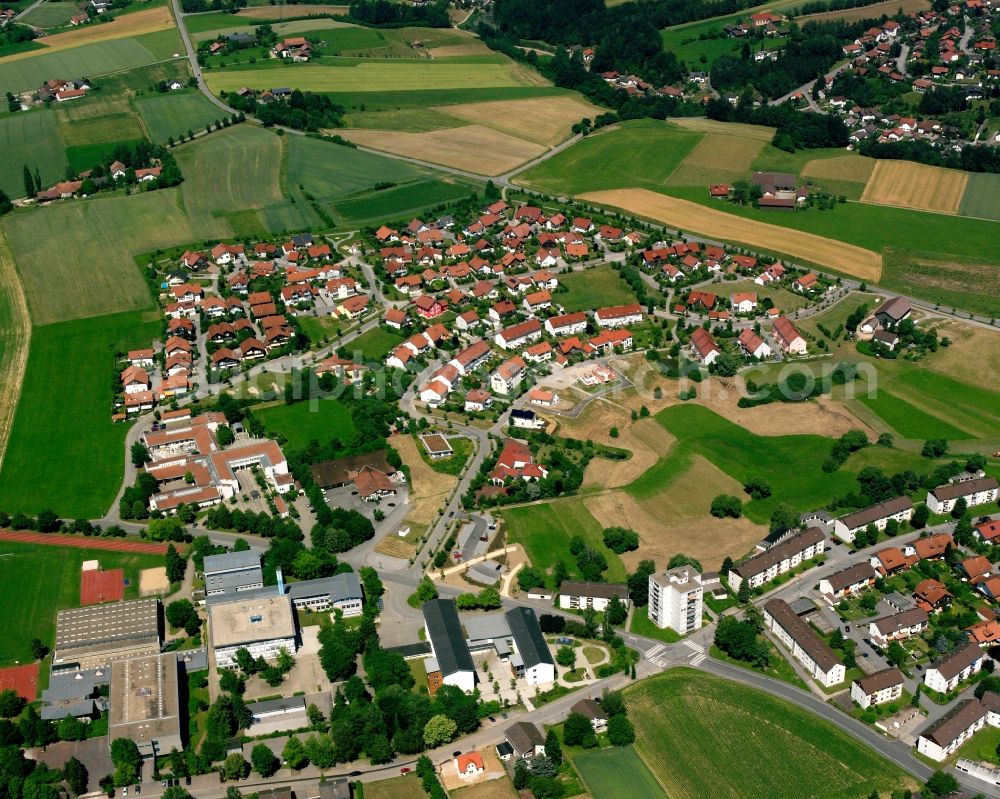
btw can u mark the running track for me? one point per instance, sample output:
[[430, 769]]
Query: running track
[[82, 542]]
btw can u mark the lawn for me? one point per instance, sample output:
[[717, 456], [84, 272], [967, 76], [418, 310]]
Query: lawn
[[374, 345], [91, 60], [546, 528], [30, 139], [331, 171], [643, 625], [908, 420], [982, 196], [376, 75], [982, 746], [743, 455], [176, 113], [617, 773], [308, 421], [38, 581], [403, 200], [593, 288], [64, 453], [407, 787], [641, 153], [86, 156], [104, 234], [704, 736]]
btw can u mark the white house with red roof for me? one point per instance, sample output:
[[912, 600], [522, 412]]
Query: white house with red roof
[[619, 315]]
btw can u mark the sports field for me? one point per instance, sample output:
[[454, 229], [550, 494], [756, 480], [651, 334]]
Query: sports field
[[176, 113], [641, 153], [30, 139], [472, 148], [23, 680], [705, 736], [99, 585], [686, 215], [38, 581], [595, 288], [375, 76], [617, 773], [104, 234], [303, 422], [64, 453], [29, 70], [908, 420], [982, 196], [918, 186], [544, 529], [543, 120]]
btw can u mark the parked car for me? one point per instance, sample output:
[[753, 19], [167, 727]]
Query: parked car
[[405, 770], [354, 774]]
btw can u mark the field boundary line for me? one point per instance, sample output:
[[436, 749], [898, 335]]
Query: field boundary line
[[13, 367]]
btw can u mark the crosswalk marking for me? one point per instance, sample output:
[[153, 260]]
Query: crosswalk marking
[[656, 650], [696, 647], [697, 659]]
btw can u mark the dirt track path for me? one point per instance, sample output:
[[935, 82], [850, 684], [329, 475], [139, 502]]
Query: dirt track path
[[15, 336]]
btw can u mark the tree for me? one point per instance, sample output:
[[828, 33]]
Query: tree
[[224, 435], [125, 755], [896, 654], [11, 704], [175, 792], [76, 776], [426, 590], [175, 564], [743, 594], [72, 729], [38, 649], [941, 784], [294, 754], [231, 682], [589, 622], [619, 539], [29, 183], [263, 760], [529, 577], [321, 751], [438, 731], [181, 613], [617, 612], [757, 488], [566, 657], [521, 775], [783, 518], [553, 749], [934, 448], [638, 583], [726, 505], [139, 454], [620, 731], [576, 729], [961, 506], [921, 514], [234, 767]]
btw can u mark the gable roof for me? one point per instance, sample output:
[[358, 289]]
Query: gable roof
[[444, 631]]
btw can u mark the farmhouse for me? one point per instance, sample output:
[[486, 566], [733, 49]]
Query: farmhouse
[[975, 492], [788, 337], [778, 559], [593, 712], [576, 595], [806, 646], [676, 598], [898, 626], [451, 662], [847, 582], [264, 625], [893, 311], [878, 688], [899, 508], [945, 674]]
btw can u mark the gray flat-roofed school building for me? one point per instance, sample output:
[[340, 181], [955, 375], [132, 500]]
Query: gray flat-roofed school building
[[95, 635]]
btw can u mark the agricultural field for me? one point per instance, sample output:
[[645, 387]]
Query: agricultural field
[[594, 288], [917, 186], [64, 452], [686, 215], [717, 158], [41, 580], [32, 139], [415, 120], [104, 233], [224, 26], [545, 121], [908, 420], [176, 113], [15, 337], [982, 197], [544, 529], [401, 200], [842, 174], [888, 8], [52, 14], [260, 10], [29, 70], [307, 421], [704, 736], [147, 21], [617, 773], [421, 99]]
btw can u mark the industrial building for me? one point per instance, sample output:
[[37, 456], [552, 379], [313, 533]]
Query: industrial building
[[261, 624], [92, 637], [145, 703]]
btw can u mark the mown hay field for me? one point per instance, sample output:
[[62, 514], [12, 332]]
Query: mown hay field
[[705, 125], [617, 773], [35, 139], [982, 196], [473, 148], [910, 185], [52, 14], [685, 215], [853, 168], [705, 736], [543, 120], [15, 336], [717, 158], [375, 76]]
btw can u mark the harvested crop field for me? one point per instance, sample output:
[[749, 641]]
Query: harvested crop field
[[543, 120], [918, 186], [474, 148], [705, 125], [717, 159], [645, 439], [149, 20], [889, 8], [686, 215], [853, 168], [428, 489]]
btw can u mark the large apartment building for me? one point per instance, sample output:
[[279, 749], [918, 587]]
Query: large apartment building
[[778, 559], [676, 599], [805, 645]]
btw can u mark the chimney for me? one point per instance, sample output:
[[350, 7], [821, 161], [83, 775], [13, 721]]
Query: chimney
[[281, 582]]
